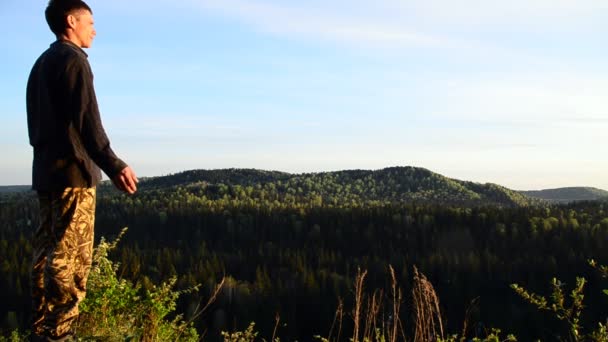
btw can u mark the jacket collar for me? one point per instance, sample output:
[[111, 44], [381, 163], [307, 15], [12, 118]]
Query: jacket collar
[[71, 45]]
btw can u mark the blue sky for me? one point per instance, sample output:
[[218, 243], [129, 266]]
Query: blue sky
[[513, 93]]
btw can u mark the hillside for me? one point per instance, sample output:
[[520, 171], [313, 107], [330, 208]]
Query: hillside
[[571, 194], [389, 185]]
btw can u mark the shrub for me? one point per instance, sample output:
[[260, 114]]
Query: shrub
[[116, 309]]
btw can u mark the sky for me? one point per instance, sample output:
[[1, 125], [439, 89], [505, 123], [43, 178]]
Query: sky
[[507, 92]]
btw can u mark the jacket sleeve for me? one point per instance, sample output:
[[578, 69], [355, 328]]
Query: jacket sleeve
[[85, 118]]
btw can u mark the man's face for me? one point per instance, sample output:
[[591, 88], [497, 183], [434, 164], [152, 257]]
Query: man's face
[[82, 26]]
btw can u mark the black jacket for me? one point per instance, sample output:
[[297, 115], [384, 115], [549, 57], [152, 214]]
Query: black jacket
[[65, 130]]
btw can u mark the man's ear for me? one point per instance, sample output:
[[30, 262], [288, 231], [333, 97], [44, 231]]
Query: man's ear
[[71, 21]]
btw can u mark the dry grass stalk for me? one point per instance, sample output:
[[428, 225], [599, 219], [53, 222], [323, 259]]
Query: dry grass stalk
[[397, 300], [373, 308], [428, 324], [337, 319], [359, 280], [212, 299], [341, 315], [277, 319], [467, 315]]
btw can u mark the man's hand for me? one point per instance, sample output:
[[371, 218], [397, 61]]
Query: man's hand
[[126, 180]]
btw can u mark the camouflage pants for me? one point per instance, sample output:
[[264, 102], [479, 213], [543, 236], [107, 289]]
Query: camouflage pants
[[62, 246]]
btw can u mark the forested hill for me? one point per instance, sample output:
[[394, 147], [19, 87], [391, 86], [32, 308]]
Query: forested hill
[[340, 188], [571, 194]]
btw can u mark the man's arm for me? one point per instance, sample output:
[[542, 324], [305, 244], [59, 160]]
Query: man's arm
[[87, 121]]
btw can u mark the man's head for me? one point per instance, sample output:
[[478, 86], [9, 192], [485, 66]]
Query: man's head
[[71, 20]]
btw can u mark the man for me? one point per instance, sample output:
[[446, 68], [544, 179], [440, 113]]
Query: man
[[70, 146]]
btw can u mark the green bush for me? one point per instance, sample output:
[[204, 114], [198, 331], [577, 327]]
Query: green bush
[[16, 336], [118, 310], [568, 310], [249, 335]]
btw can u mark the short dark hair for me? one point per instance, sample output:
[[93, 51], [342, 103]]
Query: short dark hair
[[58, 10]]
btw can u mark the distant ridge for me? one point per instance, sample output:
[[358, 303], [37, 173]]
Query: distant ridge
[[392, 184], [569, 194], [15, 188]]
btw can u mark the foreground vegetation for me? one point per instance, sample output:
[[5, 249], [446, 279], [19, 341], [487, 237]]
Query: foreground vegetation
[[117, 310]]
